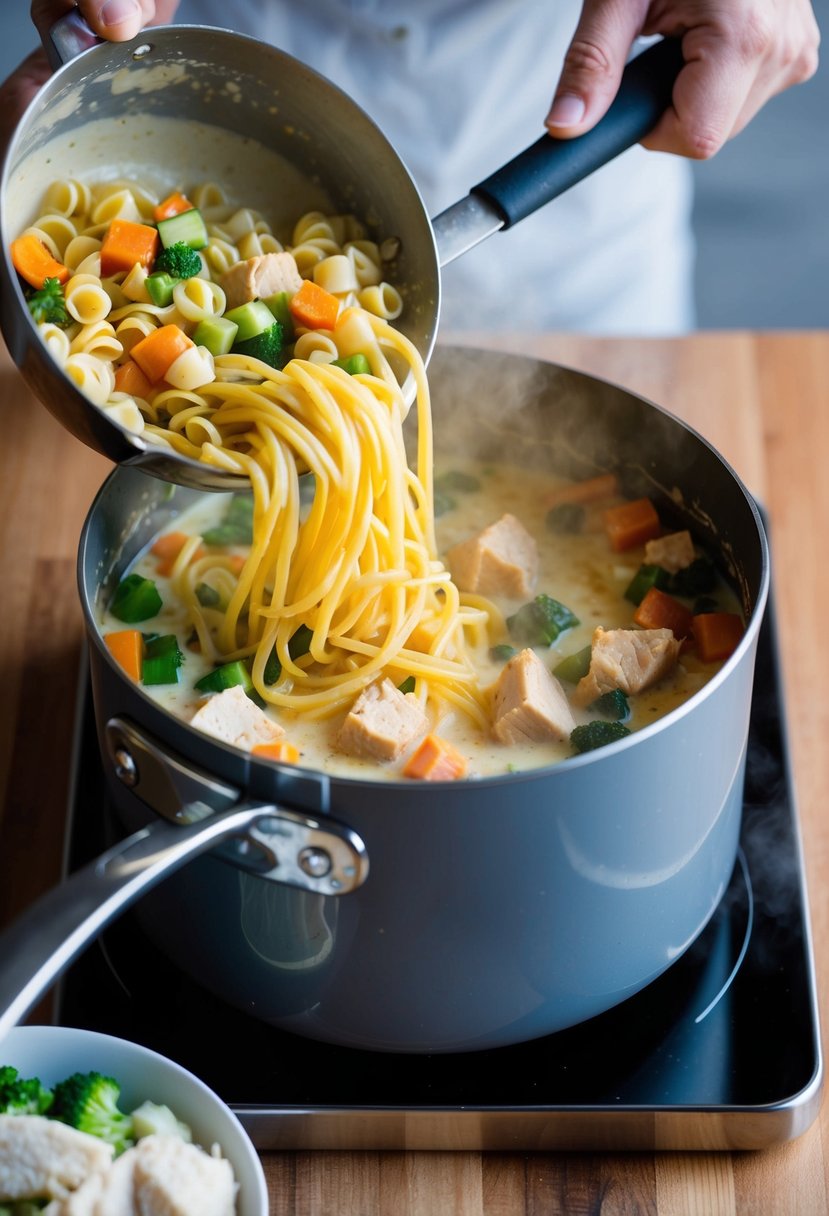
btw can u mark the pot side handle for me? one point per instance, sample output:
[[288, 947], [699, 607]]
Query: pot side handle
[[68, 38], [39, 946], [550, 166]]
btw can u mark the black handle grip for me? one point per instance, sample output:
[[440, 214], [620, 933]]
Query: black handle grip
[[550, 166]]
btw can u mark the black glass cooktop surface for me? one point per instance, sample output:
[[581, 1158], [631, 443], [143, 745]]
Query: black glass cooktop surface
[[722, 1051]]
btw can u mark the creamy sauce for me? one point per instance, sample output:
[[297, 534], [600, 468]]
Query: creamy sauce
[[163, 153], [579, 570]]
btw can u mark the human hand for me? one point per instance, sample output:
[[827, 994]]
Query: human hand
[[116, 20], [738, 54]]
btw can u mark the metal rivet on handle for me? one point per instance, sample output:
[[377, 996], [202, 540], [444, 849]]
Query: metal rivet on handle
[[315, 862], [125, 767]]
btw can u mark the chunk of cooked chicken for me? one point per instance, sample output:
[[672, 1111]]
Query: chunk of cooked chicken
[[672, 552], [382, 723], [172, 1178], [529, 703], [231, 716], [41, 1158], [501, 560], [111, 1193], [629, 659], [160, 1176], [260, 277]]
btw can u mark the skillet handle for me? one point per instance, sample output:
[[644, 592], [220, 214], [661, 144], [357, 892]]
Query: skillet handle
[[550, 166], [39, 946], [67, 38]]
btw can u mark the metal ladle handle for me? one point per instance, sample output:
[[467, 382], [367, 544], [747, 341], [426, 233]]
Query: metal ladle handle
[[550, 166]]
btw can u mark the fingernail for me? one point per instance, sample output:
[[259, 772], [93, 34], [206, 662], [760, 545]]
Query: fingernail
[[117, 12], [566, 111]]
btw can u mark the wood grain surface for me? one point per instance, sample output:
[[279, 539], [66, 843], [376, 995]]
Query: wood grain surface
[[763, 400]]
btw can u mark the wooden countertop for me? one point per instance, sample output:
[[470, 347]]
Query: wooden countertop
[[763, 400]]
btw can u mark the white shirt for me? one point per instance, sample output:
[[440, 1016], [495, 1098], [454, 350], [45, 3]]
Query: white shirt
[[461, 86]]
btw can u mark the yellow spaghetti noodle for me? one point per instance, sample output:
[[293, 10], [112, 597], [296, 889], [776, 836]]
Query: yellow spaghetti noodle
[[360, 569]]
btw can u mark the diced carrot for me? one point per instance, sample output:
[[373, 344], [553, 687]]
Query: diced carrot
[[237, 562], [167, 548], [159, 350], [603, 486], [631, 523], [127, 648], [314, 307], [129, 378], [717, 634], [436, 760], [172, 205], [34, 263], [657, 610], [282, 751], [126, 243], [169, 544]]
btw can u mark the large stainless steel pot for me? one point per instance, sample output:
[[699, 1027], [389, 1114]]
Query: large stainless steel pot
[[481, 912], [121, 107]]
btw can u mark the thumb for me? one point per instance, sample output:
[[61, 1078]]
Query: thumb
[[117, 20], [593, 65]]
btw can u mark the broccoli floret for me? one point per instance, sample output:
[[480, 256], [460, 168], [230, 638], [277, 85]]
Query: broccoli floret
[[596, 734], [22, 1096], [541, 621], [48, 304], [179, 261], [89, 1102], [150, 1119], [267, 346]]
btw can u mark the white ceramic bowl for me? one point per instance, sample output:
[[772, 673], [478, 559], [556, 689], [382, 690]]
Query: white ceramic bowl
[[55, 1052]]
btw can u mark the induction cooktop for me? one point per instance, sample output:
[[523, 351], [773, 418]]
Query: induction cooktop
[[720, 1052]]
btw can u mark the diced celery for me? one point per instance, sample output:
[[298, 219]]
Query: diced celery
[[574, 667], [162, 659], [237, 526], [541, 621], [278, 305], [135, 599], [645, 578], [187, 226], [251, 319], [216, 333], [226, 676], [160, 286], [299, 644], [208, 596], [355, 365]]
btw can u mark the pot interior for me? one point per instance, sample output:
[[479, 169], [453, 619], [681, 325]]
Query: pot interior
[[511, 409]]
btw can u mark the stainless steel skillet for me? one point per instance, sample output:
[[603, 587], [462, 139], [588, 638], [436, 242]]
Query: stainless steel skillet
[[177, 76]]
